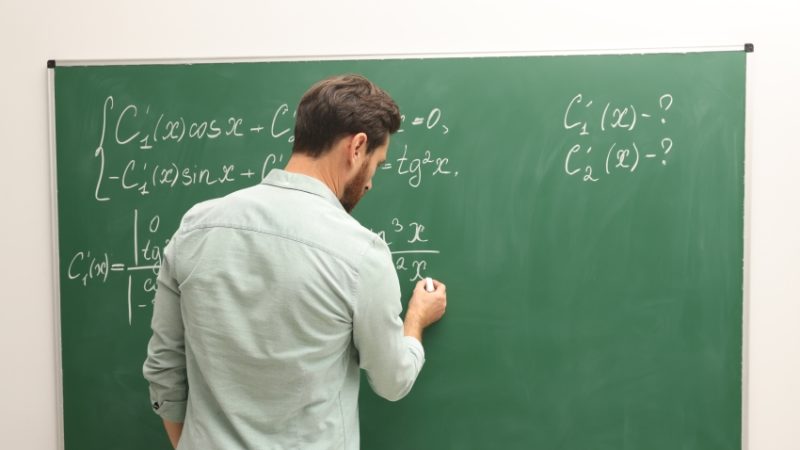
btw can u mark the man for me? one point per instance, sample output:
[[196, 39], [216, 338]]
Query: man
[[271, 298]]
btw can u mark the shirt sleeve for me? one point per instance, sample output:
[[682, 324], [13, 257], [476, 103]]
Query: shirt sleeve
[[165, 366], [391, 360]]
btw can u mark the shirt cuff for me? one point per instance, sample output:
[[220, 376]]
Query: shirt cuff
[[172, 411]]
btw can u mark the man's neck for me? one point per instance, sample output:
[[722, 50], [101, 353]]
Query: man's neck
[[320, 168]]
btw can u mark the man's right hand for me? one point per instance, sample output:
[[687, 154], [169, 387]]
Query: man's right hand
[[424, 308]]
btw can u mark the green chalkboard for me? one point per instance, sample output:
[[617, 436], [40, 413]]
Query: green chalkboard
[[586, 213]]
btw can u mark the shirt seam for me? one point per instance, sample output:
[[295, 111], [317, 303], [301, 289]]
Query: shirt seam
[[325, 250], [329, 198], [341, 418], [315, 187]]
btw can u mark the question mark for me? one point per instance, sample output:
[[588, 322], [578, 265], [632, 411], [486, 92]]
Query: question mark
[[666, 145], [661, 100]]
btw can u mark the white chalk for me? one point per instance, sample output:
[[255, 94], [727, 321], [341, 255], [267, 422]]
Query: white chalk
[[428, 284]]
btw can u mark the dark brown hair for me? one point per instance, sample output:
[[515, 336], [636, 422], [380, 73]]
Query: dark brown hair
[[343, 105]]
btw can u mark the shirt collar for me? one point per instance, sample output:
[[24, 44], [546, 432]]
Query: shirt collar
[[290, 180]]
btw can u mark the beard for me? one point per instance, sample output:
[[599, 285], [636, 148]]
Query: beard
[[355, 189]]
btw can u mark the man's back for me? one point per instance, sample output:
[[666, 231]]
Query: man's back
[[281, 294], [270, 299]]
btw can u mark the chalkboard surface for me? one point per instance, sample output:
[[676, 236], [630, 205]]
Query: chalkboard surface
[[586, 213]]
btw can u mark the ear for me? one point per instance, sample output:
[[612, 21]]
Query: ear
[[358, 146]]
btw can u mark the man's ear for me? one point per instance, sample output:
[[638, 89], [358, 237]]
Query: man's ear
[[358, 146]]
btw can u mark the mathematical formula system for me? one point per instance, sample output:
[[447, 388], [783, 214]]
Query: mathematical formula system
[[131, 135]]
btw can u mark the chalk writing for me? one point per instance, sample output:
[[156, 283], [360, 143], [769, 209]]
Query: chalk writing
[[92, 266], [409, 245], [415, 168], [145, 177], [431, 121], [137, 131], [408, 242], [597, 127], [144, 151], [142, 126]]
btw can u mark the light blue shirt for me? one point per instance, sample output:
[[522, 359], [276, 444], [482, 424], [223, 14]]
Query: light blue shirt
[[269, 300]]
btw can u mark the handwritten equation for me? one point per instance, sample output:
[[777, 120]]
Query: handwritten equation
[[415, 167], [143, 129], [407, 240], [433, 121], [590, 157], [151, 153], [90, 266], [140, 126], [409, 246]]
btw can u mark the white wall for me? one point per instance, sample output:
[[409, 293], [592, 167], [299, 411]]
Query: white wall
[[32, 31]]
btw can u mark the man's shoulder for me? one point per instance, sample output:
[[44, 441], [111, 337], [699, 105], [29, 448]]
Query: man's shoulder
[[216, 212], [199, 211], [352, 237]]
